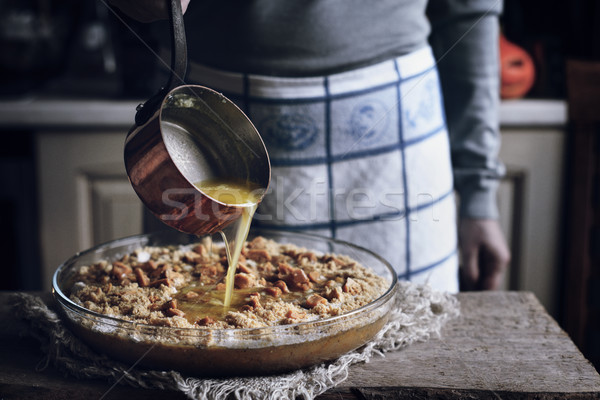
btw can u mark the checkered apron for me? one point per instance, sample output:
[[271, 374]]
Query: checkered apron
[[362, 156]]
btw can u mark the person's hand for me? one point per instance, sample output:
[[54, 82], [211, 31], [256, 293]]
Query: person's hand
[[146, 10], [485, 254]]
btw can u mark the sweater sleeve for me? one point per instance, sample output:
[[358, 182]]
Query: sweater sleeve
[[464, 38]]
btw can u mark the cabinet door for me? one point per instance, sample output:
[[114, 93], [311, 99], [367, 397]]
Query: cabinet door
[[530, 201], [84, 195]]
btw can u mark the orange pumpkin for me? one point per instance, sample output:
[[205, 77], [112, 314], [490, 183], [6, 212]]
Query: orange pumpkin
[[517, 71]]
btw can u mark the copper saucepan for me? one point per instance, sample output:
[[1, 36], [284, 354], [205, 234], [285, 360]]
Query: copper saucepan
[[186, 134]]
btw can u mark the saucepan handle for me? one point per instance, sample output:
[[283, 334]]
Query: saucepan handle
[[178, 63]]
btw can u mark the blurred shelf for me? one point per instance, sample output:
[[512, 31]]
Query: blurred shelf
[[67, 114], [88, 114], [532, 113]]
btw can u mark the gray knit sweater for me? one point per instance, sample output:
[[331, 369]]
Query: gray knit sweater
[[317, 37]]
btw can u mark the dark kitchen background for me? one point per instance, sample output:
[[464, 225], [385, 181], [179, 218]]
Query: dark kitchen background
[[72, 73]]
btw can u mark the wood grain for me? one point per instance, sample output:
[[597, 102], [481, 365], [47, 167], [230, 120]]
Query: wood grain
[[504, 345], [503, 341]]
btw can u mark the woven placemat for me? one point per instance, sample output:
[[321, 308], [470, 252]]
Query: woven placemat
[[419, 314]]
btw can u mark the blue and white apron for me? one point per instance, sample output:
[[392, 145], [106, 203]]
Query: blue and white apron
[[362, 156]]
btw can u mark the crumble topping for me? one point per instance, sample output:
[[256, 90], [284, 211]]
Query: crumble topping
[[275, 284]]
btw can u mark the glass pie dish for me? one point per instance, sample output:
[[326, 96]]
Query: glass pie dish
[[225, 352]]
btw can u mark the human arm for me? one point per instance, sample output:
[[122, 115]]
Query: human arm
[[465, 42], [146, 10]]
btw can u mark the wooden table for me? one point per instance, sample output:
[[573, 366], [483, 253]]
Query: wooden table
[[504, 346]]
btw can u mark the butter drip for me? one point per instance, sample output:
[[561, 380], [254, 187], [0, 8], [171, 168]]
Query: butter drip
[[238, 193]]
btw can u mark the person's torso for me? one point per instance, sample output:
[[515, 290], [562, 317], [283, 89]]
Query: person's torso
[[302, 37]]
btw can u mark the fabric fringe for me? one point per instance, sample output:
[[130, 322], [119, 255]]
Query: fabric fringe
[[419, 314]]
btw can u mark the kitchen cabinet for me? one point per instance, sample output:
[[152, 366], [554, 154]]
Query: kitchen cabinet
[[530, 201], [530, 197], [85, 197]]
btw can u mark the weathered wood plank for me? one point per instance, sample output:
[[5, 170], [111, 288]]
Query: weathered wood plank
[[21, 377], [461, 394], [504, 345], [503, 341]]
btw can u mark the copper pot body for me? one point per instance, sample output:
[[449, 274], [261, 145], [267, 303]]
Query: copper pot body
[[196, 134]]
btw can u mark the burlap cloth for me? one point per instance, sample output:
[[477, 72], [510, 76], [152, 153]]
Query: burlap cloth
[[419, 314]]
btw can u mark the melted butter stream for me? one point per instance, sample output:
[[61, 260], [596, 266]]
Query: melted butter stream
[[212, 302]]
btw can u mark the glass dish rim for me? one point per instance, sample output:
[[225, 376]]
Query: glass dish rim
[[65, 301]]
